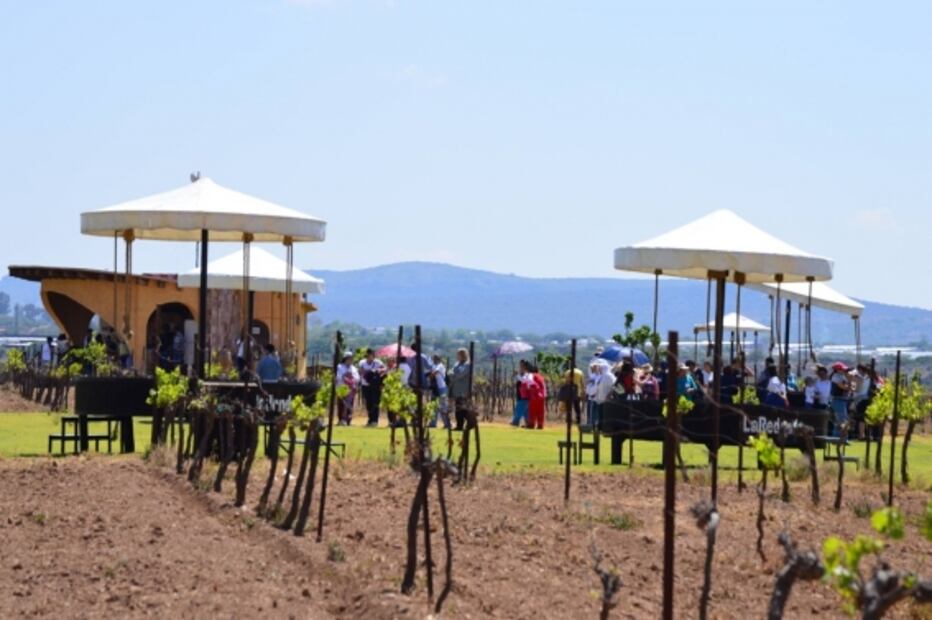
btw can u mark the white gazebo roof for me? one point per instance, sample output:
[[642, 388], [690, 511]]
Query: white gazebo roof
[[722, 241], [181, 214], [730, 323], [823, 296], [267, 273]]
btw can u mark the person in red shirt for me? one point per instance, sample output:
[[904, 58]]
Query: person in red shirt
[[537, 397]]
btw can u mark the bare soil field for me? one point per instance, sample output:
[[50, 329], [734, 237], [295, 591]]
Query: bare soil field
[[118, 537], [12, 402]]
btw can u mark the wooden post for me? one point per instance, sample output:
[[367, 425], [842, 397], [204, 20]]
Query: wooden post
[[717, 374], [669, 456], [472, 366], [893, 428], [202, 309], [494, 385], [337, 352], [785, 362], [569, 422]]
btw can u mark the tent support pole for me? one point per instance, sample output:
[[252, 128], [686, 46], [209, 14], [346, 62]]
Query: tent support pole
[[202, 309], [785, 366], [720, 277], [670, 440]]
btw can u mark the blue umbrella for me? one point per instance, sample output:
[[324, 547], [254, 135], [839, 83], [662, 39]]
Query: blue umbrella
[[616, 353]]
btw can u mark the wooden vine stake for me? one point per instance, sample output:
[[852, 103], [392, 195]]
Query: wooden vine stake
[[337, 352], [570, 393], [427, 468], [893, 429], [671, 439]]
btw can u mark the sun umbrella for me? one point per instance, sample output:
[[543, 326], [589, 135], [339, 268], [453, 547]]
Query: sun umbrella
[[512, 347], [203, 211], [267, 273], [820, 295], [617, 353], [391, 350], [722, 246]]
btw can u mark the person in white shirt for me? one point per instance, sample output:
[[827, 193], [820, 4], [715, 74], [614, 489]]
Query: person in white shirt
[[48, 352], [823, 388], [347, 375], [371, 374], [776, 390], [603, 391], [592, 381], [438, 388]]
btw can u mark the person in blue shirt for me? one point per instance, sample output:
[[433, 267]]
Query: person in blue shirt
[[685, 383], [270, 367]]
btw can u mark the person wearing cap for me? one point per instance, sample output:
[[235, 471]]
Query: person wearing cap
[[347, 375], [840, 396]]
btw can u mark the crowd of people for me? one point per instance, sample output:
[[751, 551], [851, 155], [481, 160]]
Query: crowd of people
[[843, 391], [55, 352], [366, 377]]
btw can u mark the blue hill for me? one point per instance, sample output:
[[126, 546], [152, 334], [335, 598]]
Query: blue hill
[[445, 296]]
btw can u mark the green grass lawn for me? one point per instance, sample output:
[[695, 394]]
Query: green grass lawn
[[503, 448]]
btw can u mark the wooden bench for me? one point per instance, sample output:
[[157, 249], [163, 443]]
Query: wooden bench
[[593, 444], [570, 447], [840, 448], [283, 441], [74, 436]]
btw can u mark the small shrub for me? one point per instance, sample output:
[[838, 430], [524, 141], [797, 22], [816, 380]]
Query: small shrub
[[797, 469], [862, 509], [335, 553], [619, 521], [39, 518]]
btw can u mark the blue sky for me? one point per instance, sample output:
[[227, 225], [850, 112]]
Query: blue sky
[[522, 137]]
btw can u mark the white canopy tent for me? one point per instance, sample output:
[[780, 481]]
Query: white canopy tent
[[721, 241], [823, 296], [181, 214], [721, 246], [267, 273], [737, 325], [820, 295], [732, 322], [203, 211]]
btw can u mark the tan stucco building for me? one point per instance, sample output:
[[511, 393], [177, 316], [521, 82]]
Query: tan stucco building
[[156, 305]]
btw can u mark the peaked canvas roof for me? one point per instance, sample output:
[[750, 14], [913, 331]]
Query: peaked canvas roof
[[823, 296], [722, 241], [181, 214], [267, 273], [730, 323]]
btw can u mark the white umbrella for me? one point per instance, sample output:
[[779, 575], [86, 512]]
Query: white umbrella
[[722, 246], [732, 322], [823, 296], [181, 214], [202, 211], [267, 273], [820, 295], [736, 324]]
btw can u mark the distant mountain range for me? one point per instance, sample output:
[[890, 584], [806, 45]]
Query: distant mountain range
[[445, 296], [448, 297]]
